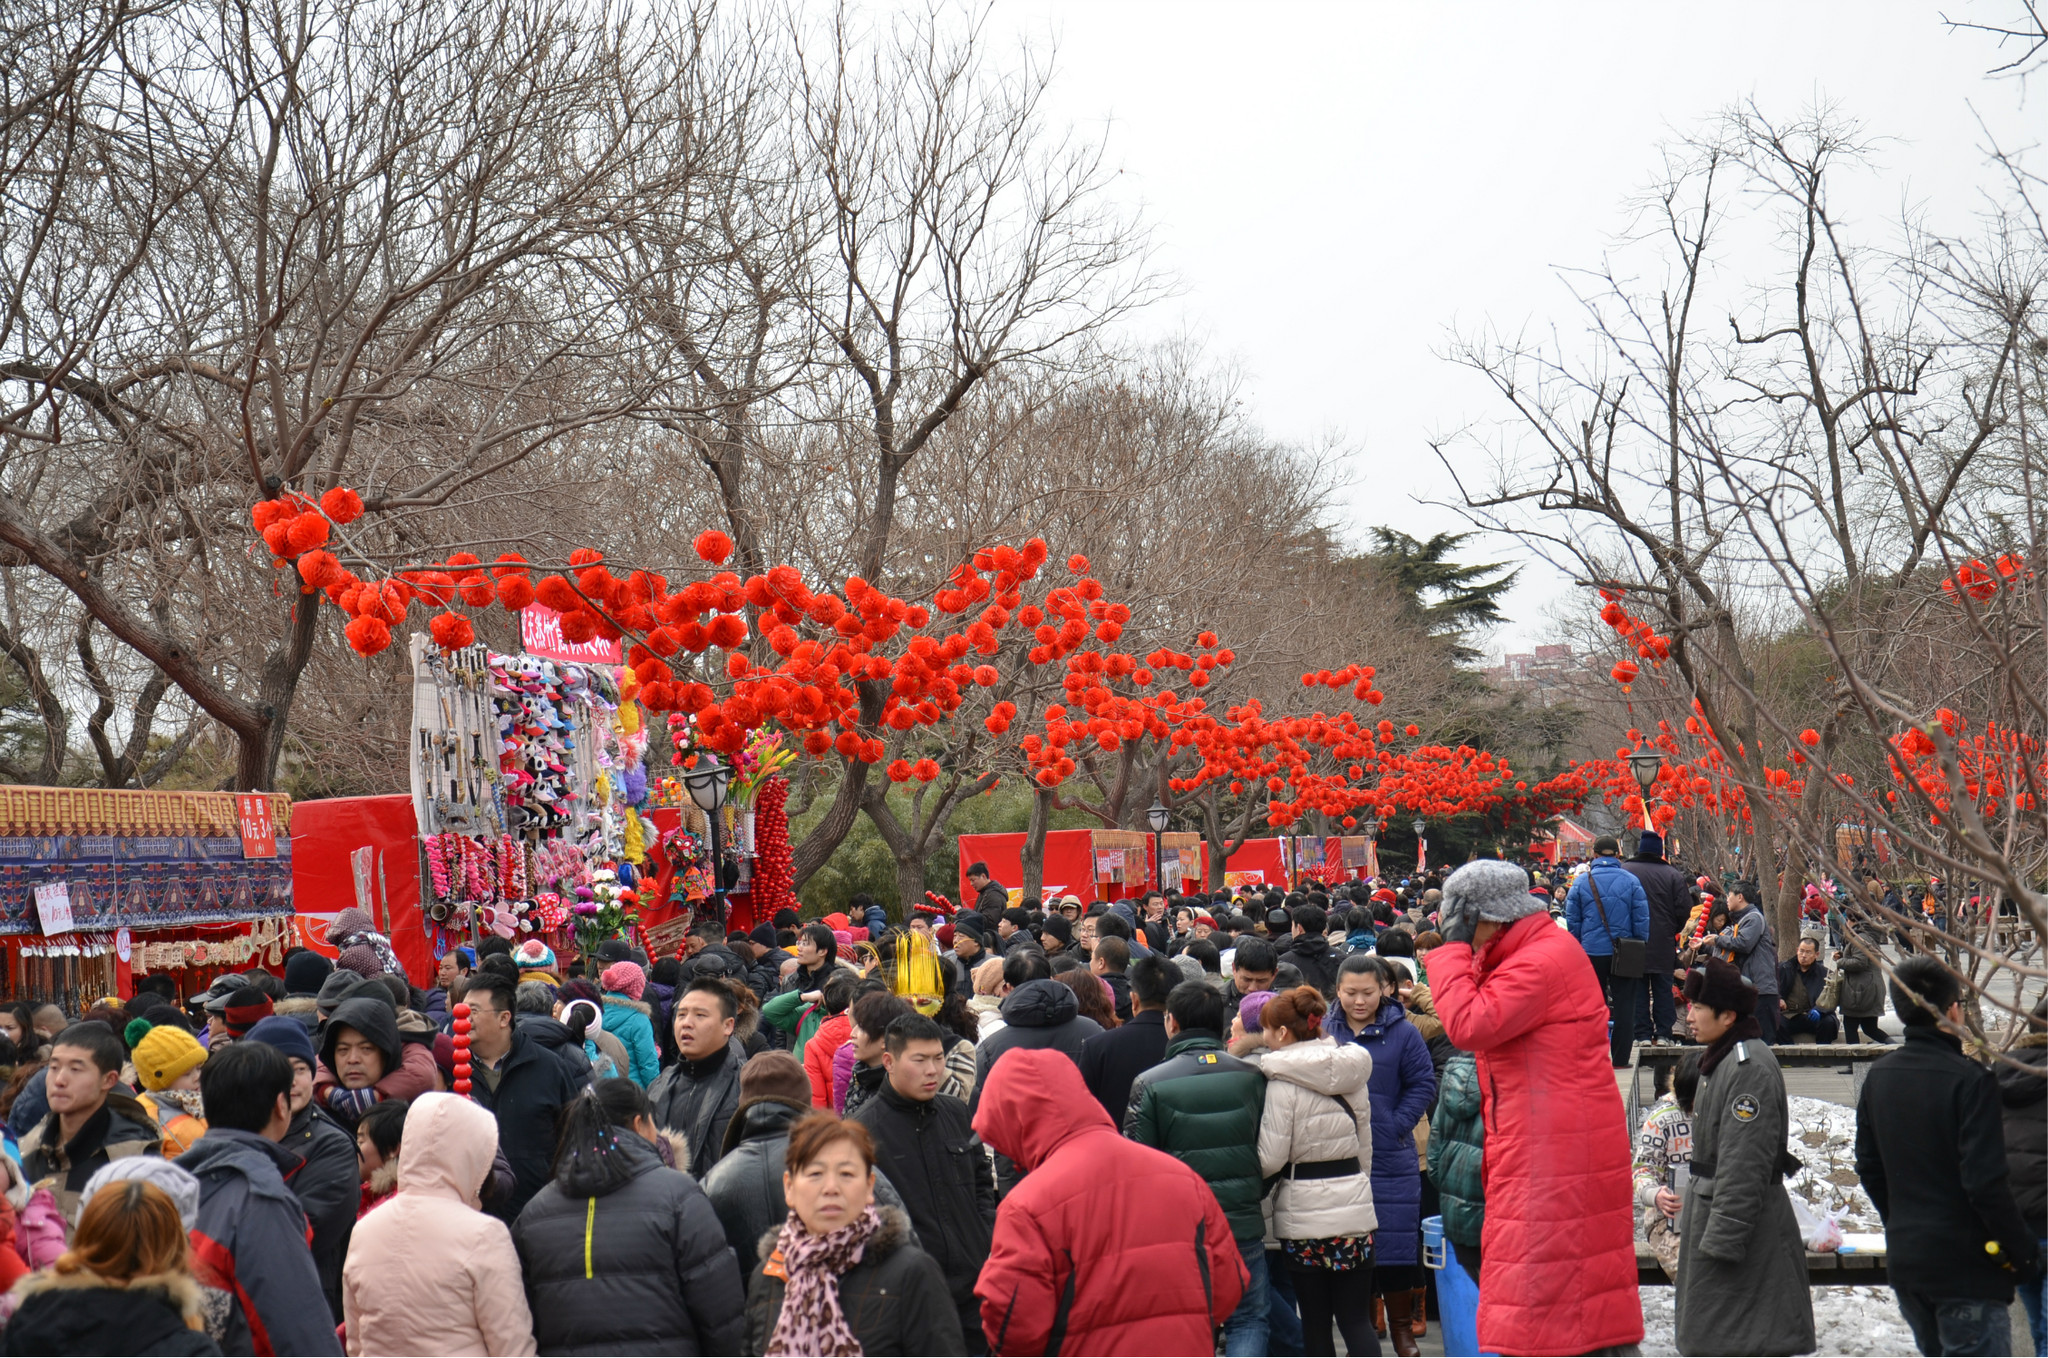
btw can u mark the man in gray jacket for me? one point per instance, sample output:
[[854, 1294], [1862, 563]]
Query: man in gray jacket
[[1741, 1265], [1752, 946]]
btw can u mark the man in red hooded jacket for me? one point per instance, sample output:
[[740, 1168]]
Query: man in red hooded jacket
[[1105, 1246], [1517, 990]]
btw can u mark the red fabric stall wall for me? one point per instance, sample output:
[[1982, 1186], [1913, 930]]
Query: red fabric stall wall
[[324, 834], [1068, 861]]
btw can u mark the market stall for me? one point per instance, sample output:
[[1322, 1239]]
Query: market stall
[[1108, 865], [1564, 838], [97, 886], [547, 804]]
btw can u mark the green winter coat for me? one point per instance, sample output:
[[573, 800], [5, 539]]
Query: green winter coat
[[1202, 1106], [788, 1012], [1457, 1141]]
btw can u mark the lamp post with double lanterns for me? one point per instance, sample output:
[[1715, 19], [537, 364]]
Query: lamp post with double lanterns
[[1157, 816], [706, 784]]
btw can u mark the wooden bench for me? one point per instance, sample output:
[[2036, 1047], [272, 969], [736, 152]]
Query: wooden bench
[[1859, 1263]]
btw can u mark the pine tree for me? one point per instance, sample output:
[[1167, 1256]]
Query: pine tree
[[1449, 600]]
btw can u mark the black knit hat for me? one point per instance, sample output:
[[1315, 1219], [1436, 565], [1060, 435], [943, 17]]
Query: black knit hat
[[306, 973], [1721, 986]]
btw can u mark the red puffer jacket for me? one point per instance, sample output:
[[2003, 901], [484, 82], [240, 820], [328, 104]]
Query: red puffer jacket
[[1557, 1151], [1106, 1246]]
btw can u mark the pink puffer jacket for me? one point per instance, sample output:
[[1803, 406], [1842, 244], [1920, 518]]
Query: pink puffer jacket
[[427, 1272]]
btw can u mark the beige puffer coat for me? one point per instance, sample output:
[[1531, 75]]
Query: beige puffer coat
[[1304, 1124], [427, 1272]]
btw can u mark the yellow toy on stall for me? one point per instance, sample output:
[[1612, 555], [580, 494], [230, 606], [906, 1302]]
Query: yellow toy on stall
[[918, 979]]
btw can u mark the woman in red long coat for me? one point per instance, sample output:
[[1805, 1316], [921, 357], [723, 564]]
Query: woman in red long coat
[[1558, 1263]]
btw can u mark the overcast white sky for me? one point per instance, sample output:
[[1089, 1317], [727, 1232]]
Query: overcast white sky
[[1336, 185]]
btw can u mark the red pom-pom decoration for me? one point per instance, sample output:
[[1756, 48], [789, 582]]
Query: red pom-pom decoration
[[306, 532], [451, 631], [342, 505], [319, 569], [367, 635], [713, 546], [515, 592]]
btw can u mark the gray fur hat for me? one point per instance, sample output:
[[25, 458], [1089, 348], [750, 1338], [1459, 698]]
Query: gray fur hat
[[1491, 889]]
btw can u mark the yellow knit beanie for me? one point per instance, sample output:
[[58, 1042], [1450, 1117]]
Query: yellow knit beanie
[[165, 1053]]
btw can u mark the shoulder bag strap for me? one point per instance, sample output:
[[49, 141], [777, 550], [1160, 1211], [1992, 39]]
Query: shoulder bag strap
[[1593, 882]]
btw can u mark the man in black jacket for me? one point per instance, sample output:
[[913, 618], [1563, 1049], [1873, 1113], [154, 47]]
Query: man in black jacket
[[1930, 1149], [1309, 949], [1802, 979], [698, 1095], [522, 1083], [2024, 1090], [926, 1145], [1670, 904], [1111, 1060], [991, 897]]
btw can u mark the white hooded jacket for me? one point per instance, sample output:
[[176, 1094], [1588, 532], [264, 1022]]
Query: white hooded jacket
[[1304, 1124]]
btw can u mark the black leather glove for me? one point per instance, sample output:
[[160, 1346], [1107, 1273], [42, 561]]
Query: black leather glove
[[1457, 924]]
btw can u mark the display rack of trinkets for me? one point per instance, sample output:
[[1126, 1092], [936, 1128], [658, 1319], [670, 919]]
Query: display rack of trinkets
[[529, 781]]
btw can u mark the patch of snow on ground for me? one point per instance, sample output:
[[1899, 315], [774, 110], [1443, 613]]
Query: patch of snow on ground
[[1846, 1320], [1823, 1136]]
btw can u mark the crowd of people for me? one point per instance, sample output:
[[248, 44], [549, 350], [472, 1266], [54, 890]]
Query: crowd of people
[[1176, 1123]]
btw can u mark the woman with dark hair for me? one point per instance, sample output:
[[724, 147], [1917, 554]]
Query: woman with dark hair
[[620, 1253], [962, 1027], [1369, 1013], [581, 1010], [1094, 996], [1316, 1143], [124, 1286], [841, 1276], [379, 1137], [18, 1025]]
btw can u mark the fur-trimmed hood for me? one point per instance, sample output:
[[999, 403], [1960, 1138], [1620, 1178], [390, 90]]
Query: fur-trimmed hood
[[384, 1178], [613, 997], [180, 1291], [300, 1007], [893, 1236]]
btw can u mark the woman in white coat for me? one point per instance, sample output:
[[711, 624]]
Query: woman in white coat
[[1316, 1137]]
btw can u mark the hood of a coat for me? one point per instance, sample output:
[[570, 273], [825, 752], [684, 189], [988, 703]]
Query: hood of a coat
[[1311, 945], [615, 1165], [224, 1150], [760, 1119], [2023, 1088], [547, 1031], [1321, 1066], [1033, 1101], [1391, 1014], [449, 1145], [86, 1313], [1040, 1004], [374, 1019]]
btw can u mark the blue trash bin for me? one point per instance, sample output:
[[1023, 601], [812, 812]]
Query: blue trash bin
[[1457, 1300]]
